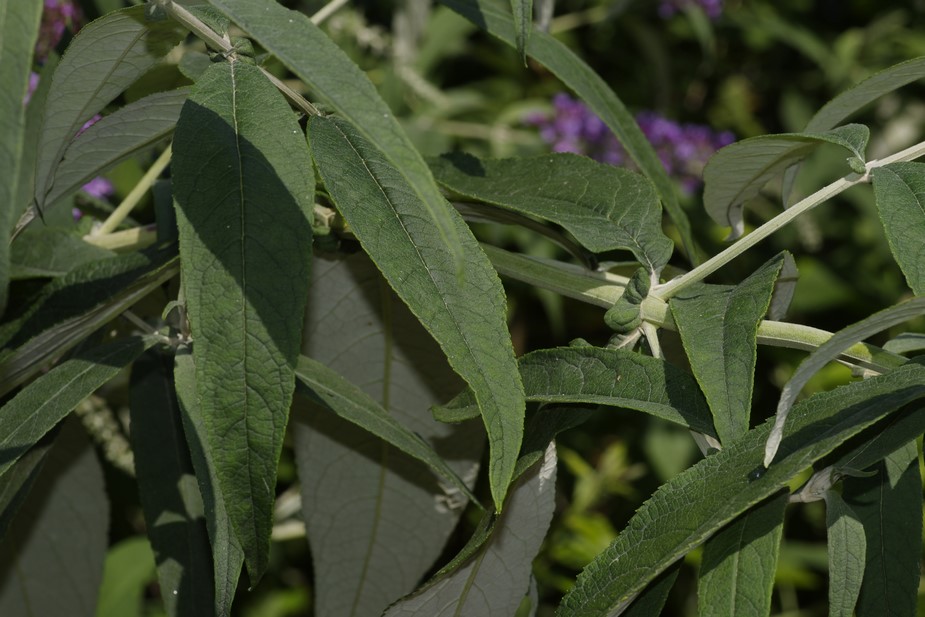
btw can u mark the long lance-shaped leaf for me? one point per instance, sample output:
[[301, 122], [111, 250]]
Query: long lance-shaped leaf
[[827, 352], [847, 554], [738, 172], [889, 506], [244, 188], [523, 25], [19, 26], [464, 312], [603, 206], [594, 375], [338, 81], [132, 129], [899, 190], [38, 407], [588, 85], [16, 483], [698, 502], [719, 330], [105, 58]]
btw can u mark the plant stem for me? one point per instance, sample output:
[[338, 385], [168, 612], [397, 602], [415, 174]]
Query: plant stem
[[124, 241], [327, 10], [131, 200]]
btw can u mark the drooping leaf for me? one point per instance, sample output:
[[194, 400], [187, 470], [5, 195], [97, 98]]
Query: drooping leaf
[[38, 407], [51, 252], [719, 329], [357, 511], [613, 377], [899, 190], [889, 506], [340, 84], [739, 563], [104, 59], [19, 27], [168, 490], [737, 172], [227, 554], [847, 555], [131, 130], [35, 113], [684, 512], [496, 578], [827, 352], [603, 206], [244, 188], [51, 561], [128, 571], [490, 16], [464, 311], [784, 288]]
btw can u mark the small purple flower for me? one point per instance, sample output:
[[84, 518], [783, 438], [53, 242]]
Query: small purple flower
[[33, 84], [712, 8], [58, 16], [99, 187]]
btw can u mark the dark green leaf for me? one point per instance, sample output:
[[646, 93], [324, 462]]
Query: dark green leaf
[[847, 555], [523, 25], [603, 206], [35, 112], [463, 310], [899, 189], [16, 483], [51, 561], [167, 486], [128, 571], [719, 330], [651, 601], [685, 512], [881, 439], [907, 342], [51, 252]]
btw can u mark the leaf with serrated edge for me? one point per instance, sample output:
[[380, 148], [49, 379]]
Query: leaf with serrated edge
[[603, 206], [594, 91], [244, 189], [739, 171], [464, 312], [357, 512], [104, 59], [899, 191], [683, 513], [889, 506], [719, 330], [338, 81], [847, 555], [51, 562], [495, 580], [739, 563], [828, 351]]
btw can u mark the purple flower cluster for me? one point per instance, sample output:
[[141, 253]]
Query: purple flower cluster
[[683, 148], [713, 8]]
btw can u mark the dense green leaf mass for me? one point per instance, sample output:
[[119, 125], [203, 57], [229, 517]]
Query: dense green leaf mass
[[51, 252], [899, 189], [603, 206], [463, 310], [244, 188]]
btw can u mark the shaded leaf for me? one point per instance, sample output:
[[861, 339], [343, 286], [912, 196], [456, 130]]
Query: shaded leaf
[[899, 190], [244, 188], [651, 601], [847, 555], [603, 206], [464, 311], [51, 562], [719, 330], [683, 513], [882, 439], [51, 252], [128, 570], [784, 288], [376, 502], [907, 342], [16, 483], [35, 112]]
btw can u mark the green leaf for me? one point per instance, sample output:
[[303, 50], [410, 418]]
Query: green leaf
[[889, 505], [128, 571], [51, 252], [464, 311], [739, 563], [907, 342], [899, 190], [337, 81], [497, 577], [603, 206], [38, 407], [35, 112], [131, 130], [882, 439], [227, 554], [243, 185], [683, 513], [719, 330], [16, 483], [51, 561], [739, 171], [828, 351], [104, 59], [847, 550], [167, 486], [613, 377], [523, 25], [784, 288], [594, 91], [651, 601], [19, 26], [356, 512]]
